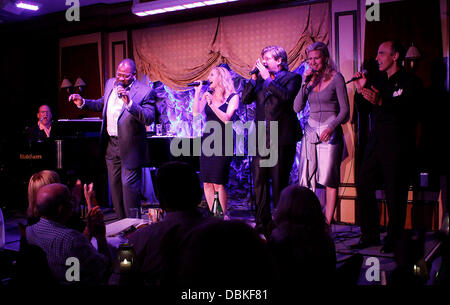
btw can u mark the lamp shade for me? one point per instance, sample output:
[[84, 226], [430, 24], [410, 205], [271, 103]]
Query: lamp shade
[[79, 82], [66, 83], [412, 53]]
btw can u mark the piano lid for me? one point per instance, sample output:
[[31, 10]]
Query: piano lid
[[76, 128]]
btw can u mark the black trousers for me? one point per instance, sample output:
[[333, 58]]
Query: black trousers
[[124, 184], [391, 161], [280, 179]]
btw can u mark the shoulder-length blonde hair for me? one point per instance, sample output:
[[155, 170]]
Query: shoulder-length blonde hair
[[37, 181], [328, 62], [225, 84]]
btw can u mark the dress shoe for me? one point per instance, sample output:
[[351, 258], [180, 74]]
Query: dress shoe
[[362, 244]]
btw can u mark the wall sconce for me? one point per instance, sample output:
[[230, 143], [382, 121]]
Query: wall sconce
[[66, 84], [412, 56], [79, 83]]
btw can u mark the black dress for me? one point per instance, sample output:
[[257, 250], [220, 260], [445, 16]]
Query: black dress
[[215, 169]]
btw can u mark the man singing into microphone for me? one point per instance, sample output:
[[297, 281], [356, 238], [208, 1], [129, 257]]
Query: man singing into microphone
[[393, 98], [43, 129], [273, 88], [127, 106]]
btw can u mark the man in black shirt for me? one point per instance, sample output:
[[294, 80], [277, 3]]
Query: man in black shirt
[[43, 129], [393, 98]]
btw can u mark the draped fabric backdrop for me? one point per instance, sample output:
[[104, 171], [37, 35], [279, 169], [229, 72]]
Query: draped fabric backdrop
[[181, 53], [171, 56]]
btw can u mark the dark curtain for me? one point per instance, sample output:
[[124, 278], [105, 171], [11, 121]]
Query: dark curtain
[[410, 22], [418, 23], [80, 61]]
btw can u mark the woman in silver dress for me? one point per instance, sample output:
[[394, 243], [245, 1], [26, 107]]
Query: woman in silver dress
[[323, 142]]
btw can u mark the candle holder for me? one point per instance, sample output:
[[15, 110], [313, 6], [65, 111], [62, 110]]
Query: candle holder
[[125, 260]]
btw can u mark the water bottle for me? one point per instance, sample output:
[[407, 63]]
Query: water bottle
[[217, 208]]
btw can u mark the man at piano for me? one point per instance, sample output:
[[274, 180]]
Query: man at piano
[[42, 131], [127, 106]]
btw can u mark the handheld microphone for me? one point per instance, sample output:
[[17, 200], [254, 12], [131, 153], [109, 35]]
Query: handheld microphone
[[309, 77], [195, 84], [119, 85], [364, 72], [254, 71]]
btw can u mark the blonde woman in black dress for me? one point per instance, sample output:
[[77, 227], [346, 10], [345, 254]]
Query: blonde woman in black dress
[[219, 107]]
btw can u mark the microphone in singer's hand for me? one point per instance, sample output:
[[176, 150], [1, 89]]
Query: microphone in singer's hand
[[195, 84], [119, 85], [309, 76], [254, 71], [364, 72]]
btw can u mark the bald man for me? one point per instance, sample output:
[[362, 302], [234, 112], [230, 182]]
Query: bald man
[[127, 106], [51, 234], [43, 129], [394, 98]]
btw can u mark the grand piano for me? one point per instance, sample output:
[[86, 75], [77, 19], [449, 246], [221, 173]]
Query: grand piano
[[159, 151], [75, 153]]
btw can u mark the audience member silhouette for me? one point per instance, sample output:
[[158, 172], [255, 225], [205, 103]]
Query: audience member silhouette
[[37, 181], [158, 245], [59, 243], [45, 177], [226, 254], [301, 245]]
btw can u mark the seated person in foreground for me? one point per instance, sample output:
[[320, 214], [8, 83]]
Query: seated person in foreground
[[45, 177], [300, 242], [179, 193], [59, 242], [226, 254]]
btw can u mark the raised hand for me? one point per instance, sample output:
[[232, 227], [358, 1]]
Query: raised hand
[[89, 195], [77, 99], [262, 69], [123, 94], [360, 82], [198, 88], [95, 223], [208, 98]]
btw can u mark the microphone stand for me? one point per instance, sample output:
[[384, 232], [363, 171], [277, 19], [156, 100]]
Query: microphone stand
[[252, 201]]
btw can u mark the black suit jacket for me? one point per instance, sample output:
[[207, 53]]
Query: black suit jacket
[[275, 103], [131, 123]]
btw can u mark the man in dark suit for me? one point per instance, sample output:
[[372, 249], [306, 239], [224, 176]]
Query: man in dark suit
[[127, 105], [273, 88], [394, 98]]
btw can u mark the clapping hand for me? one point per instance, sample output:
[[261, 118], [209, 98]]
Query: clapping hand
[[89, 195], [372, 95], [95, 224]]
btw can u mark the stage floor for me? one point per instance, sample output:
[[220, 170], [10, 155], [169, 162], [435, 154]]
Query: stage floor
[[343, 235]]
